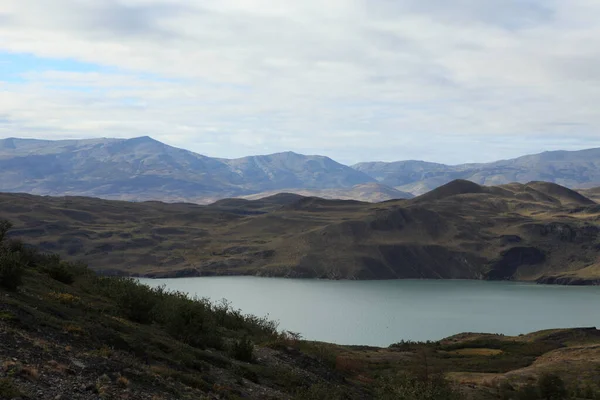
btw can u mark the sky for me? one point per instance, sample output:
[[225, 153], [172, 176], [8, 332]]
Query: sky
[[356, 80]]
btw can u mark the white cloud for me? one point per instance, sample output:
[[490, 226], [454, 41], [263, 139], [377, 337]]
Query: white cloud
[[354, 79]]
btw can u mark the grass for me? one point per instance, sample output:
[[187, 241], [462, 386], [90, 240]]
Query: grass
[[337, 239], [477, 352]]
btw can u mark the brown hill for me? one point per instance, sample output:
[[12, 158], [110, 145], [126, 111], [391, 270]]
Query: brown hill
[[454, 188], [591, 193], [527, 232], [369, 192]]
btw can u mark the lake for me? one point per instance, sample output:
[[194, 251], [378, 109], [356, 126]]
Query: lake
[[383, 312]]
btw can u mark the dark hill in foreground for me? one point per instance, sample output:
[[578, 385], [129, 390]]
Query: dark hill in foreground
[[532, 232]]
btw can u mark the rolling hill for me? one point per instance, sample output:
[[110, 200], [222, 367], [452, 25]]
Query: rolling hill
[[371, 192], [533, 232]]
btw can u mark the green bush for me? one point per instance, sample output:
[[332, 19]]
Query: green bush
[[5, 226], [189, 320], [194, 321], [11, 270], [60, 272], [135, 301], [243, 350]]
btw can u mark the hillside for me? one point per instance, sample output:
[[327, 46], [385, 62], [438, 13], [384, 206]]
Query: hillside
[[369, 192], [592, 193], [533, 232], [66, 333], [575, 169]]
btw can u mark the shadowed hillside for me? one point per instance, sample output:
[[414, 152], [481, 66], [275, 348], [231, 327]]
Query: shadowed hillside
[[536, 232]]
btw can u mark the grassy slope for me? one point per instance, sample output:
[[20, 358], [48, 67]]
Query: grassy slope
[[78, 342], [72, 340], [461, 230]]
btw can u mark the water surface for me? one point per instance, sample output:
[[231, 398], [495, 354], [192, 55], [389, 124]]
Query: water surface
[[384, 312]]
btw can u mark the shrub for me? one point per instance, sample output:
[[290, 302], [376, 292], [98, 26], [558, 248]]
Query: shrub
[[189, 320], [61, 272], [11, 270], [5, 226], [552, 387], [243, 350], [194, 321], [135, 301]]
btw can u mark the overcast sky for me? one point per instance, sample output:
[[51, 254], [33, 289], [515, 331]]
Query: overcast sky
[[357, 80]]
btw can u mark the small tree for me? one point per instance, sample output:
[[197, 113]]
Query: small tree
[[11, 270], [5, 226], [243, 350]]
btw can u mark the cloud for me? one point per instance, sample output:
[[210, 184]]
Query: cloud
[[354, 79]]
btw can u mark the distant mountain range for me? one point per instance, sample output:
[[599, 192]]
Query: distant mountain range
[[144, 169], [574, 169]]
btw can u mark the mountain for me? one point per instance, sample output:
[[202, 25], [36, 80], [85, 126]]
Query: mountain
[[575, 169], [142, 169], [538, 231], [145, 169], [292, 170], [370, 192]]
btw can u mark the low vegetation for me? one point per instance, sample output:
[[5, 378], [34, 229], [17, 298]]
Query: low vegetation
[[66, 331]]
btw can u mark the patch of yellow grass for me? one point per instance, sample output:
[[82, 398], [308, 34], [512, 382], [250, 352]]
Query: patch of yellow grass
[[73, 329], [476, 352], [64, 298], [122, 381]]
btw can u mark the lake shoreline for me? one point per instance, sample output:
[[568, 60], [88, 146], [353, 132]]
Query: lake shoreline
[[381, 312], [195, 273]]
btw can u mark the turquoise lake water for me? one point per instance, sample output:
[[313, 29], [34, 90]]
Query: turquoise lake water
[[383, 312]]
